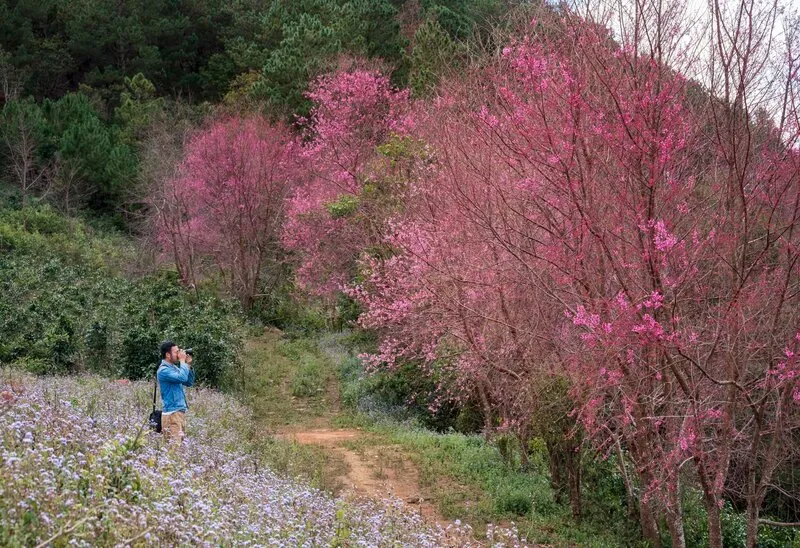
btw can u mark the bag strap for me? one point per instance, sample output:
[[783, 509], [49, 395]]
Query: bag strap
[[155, 388]]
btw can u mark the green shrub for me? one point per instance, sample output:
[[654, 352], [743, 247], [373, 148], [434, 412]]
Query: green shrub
[[734, 530], [344, 206], [768, 537], [469, 420], [514, 502], [284, 309], [403, 393], [308, 379], [36, 366], [604, 496], [734, 526], [62, 309]]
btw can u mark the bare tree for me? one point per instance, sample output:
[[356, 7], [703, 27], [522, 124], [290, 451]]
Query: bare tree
[[20, 142]]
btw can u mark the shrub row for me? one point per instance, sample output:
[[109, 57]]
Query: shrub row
[[64, 307]]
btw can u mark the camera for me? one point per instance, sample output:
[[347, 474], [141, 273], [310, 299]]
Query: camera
[[189, 351]]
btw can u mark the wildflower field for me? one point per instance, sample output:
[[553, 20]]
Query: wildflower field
[[79, 468]]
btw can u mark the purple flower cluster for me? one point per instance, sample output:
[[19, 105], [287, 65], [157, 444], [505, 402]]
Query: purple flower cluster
[[78, 466]]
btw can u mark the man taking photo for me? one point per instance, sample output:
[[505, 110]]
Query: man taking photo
[[174, 373]]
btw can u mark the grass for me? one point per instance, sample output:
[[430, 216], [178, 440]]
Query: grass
[[288, 383], [296, 383], [467, 479]]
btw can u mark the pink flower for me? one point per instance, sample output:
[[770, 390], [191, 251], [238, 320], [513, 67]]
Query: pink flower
[[663, 239]]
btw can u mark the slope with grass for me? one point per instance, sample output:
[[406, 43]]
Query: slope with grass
[[290, 384], [78, 468], [344, 436], [71, 300]]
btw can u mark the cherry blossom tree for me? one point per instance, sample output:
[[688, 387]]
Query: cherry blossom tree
[[225, 205], [659, 216], [607, 208], [334, 213]]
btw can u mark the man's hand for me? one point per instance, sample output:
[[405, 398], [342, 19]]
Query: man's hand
[[182, 356]]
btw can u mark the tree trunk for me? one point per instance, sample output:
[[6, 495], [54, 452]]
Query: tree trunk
[[626, 480], [675, 524], [565, 475], [675, 518], [557, 480], [647, 520], [487, 411], [714, 523], [574, 479], [752, 522], [524, 451]]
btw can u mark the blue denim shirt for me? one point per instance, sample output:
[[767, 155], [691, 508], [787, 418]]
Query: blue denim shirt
[[171, 380]]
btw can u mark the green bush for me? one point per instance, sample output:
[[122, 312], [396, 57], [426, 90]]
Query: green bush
[[734, 526], [36, 366], [62, 309], [310, 374], [403, 393], [469, 420], [160, 309], [283, 308], [514, 502]]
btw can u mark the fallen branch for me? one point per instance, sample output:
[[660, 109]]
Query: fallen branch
[[778, 523], [137, 537], [63, 531]]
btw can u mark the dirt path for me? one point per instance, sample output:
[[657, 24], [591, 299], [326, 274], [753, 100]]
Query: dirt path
[[373, 471]]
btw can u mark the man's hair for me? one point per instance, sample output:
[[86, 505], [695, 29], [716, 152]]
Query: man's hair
[[165, 347]]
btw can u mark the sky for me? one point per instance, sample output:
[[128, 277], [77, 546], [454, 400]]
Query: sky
[[695, 40]]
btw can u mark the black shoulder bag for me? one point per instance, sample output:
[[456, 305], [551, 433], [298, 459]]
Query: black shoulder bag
[[155, 416]]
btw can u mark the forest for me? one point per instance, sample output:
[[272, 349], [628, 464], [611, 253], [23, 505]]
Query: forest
[[548, 252]]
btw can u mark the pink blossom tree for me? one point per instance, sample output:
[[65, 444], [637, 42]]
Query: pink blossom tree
[[225, 206], [334, 215], [660, 218]]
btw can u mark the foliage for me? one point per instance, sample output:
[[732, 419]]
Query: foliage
[[433, 55], [461, 17], [158, 309], [310, 34], [64, 308], [199, 48], [344, 206], [69, 151], [403, 394], [59, 45], [288, 309], [138, 108], [223, 210]]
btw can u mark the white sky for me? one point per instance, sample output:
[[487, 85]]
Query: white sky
[[692, 54]]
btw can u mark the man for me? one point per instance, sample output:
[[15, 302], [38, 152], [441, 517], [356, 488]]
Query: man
[[174, 373]]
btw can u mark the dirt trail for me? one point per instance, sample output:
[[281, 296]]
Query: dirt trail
[[373, 470], [376, 472]]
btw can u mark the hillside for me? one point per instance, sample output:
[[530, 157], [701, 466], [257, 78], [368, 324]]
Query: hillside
[[520, 262], [79, 468]]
